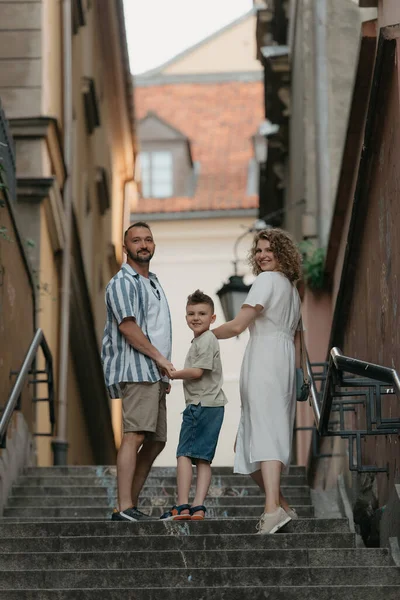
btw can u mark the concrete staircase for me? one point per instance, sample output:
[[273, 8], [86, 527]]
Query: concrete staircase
[[57, 542]]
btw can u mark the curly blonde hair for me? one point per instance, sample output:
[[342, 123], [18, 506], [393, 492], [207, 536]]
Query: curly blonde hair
[[284, 250]]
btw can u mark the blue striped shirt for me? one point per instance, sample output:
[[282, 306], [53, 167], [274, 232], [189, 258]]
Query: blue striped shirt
[[126, 296]]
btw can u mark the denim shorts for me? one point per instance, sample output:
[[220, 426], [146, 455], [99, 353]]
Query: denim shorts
[[199, 432]]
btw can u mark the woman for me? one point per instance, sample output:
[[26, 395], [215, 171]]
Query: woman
[[267, 381]]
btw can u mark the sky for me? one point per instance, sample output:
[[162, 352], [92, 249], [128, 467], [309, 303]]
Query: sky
[[157, 30]]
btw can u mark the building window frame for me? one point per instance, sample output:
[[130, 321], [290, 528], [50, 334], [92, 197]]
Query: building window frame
[[91, 105], [157, 171], [102, 188], [78, 15]]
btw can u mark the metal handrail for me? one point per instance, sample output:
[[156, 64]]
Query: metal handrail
[[338, 361], [366, 369], [39, 341]]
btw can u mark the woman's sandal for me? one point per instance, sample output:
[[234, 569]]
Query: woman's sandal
[[196, 509], [175, 514]]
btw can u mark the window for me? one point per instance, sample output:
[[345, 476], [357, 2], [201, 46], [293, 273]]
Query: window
[[157, 174], [91, 107], [78, 15], [103, 193]]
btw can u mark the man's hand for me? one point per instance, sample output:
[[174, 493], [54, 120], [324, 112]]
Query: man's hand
[[136, 338], [166, 366], [167, 391]]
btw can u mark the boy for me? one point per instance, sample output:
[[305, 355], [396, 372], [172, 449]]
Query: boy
[[204, 413]]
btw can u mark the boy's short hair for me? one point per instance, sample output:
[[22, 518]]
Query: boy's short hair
[[198, 297]]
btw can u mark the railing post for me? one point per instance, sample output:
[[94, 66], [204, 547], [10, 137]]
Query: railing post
[[60, 453]]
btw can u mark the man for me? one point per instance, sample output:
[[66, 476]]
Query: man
[[136, 356]]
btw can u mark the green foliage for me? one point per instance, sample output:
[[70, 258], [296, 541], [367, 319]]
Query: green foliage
[[313, 265]]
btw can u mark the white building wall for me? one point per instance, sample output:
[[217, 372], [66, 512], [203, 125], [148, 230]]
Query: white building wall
[[193, 254]]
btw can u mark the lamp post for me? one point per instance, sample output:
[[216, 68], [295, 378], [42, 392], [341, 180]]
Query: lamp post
[[234, 292]]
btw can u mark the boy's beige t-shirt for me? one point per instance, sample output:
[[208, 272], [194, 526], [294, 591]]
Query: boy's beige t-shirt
[[204, 354]]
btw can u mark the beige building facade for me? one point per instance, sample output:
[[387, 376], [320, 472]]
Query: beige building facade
[[231, 49], [86, 158]]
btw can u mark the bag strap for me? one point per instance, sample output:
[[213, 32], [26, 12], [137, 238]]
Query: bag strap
[[303, 353]]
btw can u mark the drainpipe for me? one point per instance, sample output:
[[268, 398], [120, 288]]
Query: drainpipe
[[322, 122], [60, 444]]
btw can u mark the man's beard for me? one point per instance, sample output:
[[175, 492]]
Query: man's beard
[[140, 257]]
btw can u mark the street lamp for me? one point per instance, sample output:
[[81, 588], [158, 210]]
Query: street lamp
[[232, 295], [234, 292]]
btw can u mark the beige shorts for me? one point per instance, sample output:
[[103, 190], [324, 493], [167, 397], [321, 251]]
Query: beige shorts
[[144, 409]]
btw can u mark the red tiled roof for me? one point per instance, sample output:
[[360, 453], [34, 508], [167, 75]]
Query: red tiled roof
[[219, 120]]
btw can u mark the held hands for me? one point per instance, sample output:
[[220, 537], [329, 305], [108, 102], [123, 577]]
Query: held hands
[[166, 367]]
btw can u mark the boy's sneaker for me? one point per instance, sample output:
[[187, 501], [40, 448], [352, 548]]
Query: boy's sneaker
[[130, 514], [175, 514]]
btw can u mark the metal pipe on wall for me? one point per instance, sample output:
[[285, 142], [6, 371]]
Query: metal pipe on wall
[[60, 443], [323, 159]]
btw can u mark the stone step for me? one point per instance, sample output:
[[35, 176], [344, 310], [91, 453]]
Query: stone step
[[222, 481], [119, 543], [376, 592], [198, 559], [193, 577], [164, 501], [159, 528], [96, 512], [100, 471], [57, 542], [149, 491]]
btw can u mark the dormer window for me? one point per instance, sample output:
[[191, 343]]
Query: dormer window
[[167, 168], [157, 174]]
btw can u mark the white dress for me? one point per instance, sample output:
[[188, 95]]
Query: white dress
[[267, 379]]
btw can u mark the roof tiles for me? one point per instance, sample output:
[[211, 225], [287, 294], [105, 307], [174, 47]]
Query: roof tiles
[[219, 120]]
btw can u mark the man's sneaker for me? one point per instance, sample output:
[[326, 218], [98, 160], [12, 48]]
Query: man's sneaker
[[272, 522], [130, 514], [176, 514]]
